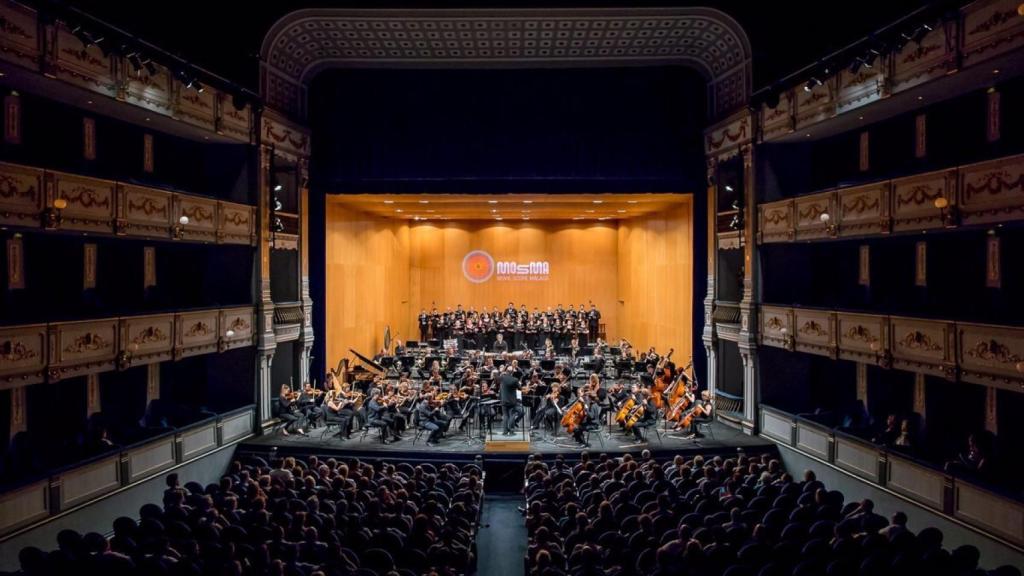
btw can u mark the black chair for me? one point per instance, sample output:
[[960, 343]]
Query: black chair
[[380, 425]]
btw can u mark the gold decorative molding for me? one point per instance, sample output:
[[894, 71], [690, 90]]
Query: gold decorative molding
[[88, 342], [994, 351], [811, 327], [917, 340]]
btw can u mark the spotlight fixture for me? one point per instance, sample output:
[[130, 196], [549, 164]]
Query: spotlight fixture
[[150, 67], [598, 201], [735, 204], [527, 201], [389, 201], [230, 333], [492, 201], [812, 84], [183, 220], [728, 188], [277, 185], [278, 225], [277, 204], [424, 201]]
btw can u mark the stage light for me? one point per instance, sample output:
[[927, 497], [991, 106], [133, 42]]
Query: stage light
[[277, 185], [921, 32], [399, 210], [278, 225], [577, 217], [60, 203], [183, 220], [150, 67], [825, 217], [424, 201], [941, 202], [598, 201], [277, 204], [389, 201], [590, 211], [527, 201], [631, 201], [621, 211], [494, 211], [812, 84], [230, 333], [492, 201], [728, 188], [735, 204]]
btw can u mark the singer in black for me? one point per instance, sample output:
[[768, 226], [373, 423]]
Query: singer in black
[[500, 345], [424, 321], [510, 401]]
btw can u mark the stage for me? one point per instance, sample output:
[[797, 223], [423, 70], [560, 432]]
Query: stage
[[721, 439]]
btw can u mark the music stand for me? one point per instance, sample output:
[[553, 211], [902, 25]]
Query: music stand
[[434, 343], [412, 343], [547, 365]]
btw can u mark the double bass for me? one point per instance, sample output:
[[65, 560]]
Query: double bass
[[661, 382]]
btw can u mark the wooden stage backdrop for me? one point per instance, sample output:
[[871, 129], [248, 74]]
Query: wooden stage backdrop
[[382, 271]]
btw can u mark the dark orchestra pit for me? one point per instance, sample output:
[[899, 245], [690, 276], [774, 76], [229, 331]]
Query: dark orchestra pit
[[456, 401]]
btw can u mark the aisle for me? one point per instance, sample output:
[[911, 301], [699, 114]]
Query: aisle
[[501, 542]]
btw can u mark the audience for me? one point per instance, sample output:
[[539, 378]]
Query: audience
[[302, 518], [739, 516]]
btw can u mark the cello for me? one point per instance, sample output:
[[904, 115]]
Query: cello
[[573, 415]]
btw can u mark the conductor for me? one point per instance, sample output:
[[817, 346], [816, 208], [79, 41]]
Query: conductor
[[510, 401]]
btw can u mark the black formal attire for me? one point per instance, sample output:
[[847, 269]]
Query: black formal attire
[[428, 420], [378, 415], [424, 326], [510, 403], [591, 421], [646, 421], [288, 411], [500, 346]]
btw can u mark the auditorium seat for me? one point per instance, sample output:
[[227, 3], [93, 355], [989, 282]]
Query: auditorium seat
[[742, 515]]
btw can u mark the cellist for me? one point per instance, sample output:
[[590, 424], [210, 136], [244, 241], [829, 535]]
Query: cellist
[[591, 416]]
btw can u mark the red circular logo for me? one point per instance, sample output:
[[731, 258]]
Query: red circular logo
[[478, 266]]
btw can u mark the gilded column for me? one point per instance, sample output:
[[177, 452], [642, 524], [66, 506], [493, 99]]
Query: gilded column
[[748, 304]]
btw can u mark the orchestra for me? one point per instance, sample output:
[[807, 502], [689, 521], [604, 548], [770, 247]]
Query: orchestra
[[533, 366]]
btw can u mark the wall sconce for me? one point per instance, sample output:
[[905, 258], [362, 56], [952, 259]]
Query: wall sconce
[[230, 333], [787, 339], [882, 357], [52, 215], [1020, 367], [949, 213], [826, 219], [179, 228]]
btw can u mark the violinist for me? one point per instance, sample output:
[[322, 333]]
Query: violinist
[[428, 415], [288, 411], [591, 417], [307, 402], [378, 415]]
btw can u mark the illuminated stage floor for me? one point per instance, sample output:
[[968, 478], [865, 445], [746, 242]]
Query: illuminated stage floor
[[722, 439]]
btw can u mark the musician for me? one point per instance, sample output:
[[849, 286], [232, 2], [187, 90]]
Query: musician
[[424, 322], [549, 349], [594, 320], [510, 401], [550, 408], [337, 409], [288, 411], [574, 345], [701, 410], [307, 402], [378, 415], [428, 420], [500, 345], [591, 418], [650, 414]]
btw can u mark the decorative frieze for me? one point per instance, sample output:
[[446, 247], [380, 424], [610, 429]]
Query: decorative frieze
[[992, 355], [815, 332], [90, 201], [33, 353], [992, 191], [933, 57], [776, 222], [864, 210], [925, 346], [864, 338], [990, 28], [815, 216], [21, 194], [914, 200]]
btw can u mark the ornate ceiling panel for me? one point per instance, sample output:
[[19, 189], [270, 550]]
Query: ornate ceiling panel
[[308, 41]]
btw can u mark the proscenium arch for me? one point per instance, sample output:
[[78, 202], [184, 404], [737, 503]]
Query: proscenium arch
[[305, 42]]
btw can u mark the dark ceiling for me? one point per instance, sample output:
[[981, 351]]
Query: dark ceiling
[[224, 36]]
